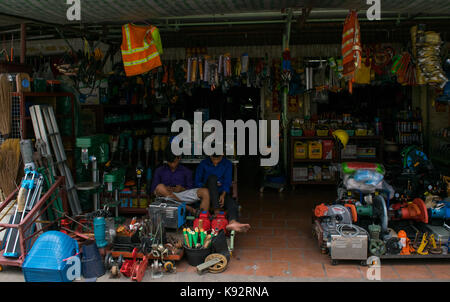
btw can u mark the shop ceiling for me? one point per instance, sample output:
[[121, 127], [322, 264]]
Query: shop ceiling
[[191, 23]]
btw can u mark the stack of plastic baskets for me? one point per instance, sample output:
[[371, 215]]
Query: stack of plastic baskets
[[48, 259]]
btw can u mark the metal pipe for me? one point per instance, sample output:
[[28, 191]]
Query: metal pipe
[[23, 43]]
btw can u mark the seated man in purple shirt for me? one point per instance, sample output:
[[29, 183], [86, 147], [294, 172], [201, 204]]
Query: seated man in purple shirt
[[175, 181]]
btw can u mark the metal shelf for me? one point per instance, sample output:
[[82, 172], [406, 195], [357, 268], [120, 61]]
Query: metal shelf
[[307, 160], [133, 211], [314, 182]]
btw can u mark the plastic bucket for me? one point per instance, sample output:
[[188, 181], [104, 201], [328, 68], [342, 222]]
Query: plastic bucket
[[91, 262], [196, 256]]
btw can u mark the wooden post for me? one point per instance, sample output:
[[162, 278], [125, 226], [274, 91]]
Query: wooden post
[[23, 43]]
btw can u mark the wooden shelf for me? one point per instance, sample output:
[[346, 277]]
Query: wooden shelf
[[307, 160], [43, 94], [311, 137], [355, 137], [314, 182]]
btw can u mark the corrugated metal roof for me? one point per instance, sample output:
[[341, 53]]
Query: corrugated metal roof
[[101, 11]]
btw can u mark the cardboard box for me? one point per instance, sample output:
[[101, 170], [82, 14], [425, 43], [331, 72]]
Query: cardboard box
[[327, 149], [350, 152]]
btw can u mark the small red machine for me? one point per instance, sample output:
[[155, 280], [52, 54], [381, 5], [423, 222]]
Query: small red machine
[[220, 222], [128, 265], [413, 210], [138, 269]]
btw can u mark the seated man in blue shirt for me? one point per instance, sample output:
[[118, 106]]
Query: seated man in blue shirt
[[175, 181], [215, 173]]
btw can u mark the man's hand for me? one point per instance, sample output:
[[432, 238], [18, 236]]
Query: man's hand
[[178, 189], [222, 199]]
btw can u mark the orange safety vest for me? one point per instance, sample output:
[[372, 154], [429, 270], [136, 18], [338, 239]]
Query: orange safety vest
[[139, 49], [351, 47]]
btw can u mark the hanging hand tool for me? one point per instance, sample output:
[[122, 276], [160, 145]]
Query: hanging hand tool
[[12, 48], [139, 151], [114, 146], [130, 149], [122, 143], [156, 148], [147, 149]]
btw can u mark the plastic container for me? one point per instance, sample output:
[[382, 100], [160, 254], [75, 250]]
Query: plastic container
[[361, 132], [350, 132], [39, 85], [47, 260], [323, 132], [100, 231], [296, 132], [309, 132], [315, 150], [53, 86], [91, 262], [197, 256], [300, 150]]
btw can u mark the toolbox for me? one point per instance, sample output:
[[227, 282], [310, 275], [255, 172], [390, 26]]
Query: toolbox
[[366, 152], [173, 213]]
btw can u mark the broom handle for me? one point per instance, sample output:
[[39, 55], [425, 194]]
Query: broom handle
[[21, 199], [9, 209]]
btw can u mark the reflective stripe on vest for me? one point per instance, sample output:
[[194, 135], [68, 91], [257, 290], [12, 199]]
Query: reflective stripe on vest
[[145, 60]]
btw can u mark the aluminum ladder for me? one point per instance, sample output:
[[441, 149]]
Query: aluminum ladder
[[39, 114]]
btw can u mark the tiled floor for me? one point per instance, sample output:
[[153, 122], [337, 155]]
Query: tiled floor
[[280, 243]]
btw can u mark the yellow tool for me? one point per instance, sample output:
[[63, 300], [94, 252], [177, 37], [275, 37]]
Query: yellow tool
[[434, 249], [421, 250]]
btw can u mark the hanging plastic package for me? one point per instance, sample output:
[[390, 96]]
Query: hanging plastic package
[[194, 70], [362, 74], [428, 47], [200, 68], [206, 74], [244, 63]]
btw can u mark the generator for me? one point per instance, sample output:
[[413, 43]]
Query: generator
[[342, 242], [348, 242], [172, 212]]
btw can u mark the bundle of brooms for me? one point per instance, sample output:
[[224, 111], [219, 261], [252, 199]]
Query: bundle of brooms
[[9, 165], [5, 105]]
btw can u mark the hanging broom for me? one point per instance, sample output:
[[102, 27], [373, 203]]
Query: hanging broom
[[5, 105], [9, 165]]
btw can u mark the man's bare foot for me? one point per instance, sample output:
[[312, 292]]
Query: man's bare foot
[[238, 227]]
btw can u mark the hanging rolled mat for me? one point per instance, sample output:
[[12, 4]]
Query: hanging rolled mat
[[5, 105], [9, 165]]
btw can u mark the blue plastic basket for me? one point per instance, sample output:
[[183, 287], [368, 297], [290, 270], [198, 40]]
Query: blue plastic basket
[[46, 260]]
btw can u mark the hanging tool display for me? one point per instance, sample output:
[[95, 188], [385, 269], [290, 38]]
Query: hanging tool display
[[147, 149]]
